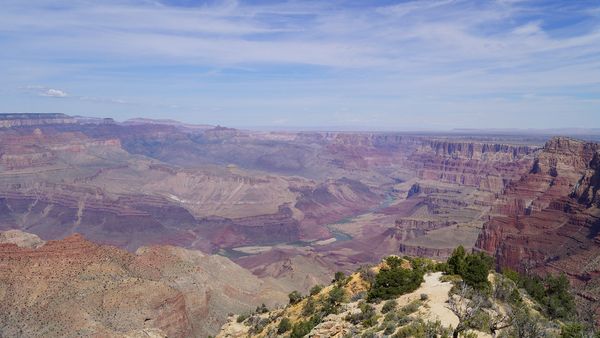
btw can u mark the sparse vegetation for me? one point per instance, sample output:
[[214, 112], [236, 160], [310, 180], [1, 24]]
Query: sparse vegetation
[[498, 306], [262, 309], [302, 328], [552, 293], [421, 328], [309, 307], [336, 296], [366, 316], [284, 326]]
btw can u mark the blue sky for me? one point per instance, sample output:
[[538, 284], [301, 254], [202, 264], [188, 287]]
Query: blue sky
[[388, 65]]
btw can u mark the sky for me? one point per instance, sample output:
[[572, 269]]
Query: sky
[[353, 65]]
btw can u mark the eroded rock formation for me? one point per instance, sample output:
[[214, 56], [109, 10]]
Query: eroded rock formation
[[74, 287], [549, 220]]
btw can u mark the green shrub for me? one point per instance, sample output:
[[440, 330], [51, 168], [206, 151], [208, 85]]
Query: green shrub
[[339, 277], [366, 316], [441, 267], [456, 263], [473, 268], [337, 295], [390, 317], [424, 297], [242, 317], [309, 307], [368, 334], [389, 328], [477, 269], [259, 325], [295, 297], [552, 293], [511, 274], [367, 274], [302, 328], [411, 307], [358, 296], [404, 319], [284, 326], [506, 290], [572, 330], [316, 289], [389, 306], [421, 263], [394, 281], [480, 321], [262, 309], [559, 302]]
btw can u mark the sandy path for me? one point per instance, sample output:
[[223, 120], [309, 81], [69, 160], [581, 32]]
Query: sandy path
[[437, 291]]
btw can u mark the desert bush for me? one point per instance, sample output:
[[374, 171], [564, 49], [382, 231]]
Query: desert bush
[[552, 293], [309, 307], [473, 268], [262, 309], [366, 316], [367, 274], [572, 330], [526, 324], [421, 263], [339, 277], [404, 319], [302, 328], [337, 295], [334, 298], [411, 307], [394, 281], [295, 297], [391, 316], [242, 317], [368, 334], [389, 306], [259, 325], [389, 328], [284, 326], [478, 266], [480, 321], [316, 289], [358, 296]]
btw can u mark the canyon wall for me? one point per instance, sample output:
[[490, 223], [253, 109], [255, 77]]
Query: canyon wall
[[549, 220]]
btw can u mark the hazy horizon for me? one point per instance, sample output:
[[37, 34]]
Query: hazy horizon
[[390, 65]]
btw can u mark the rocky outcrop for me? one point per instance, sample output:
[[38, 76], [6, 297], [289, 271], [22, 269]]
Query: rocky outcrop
[[421, 251], [74, 287], [489, 167], [20, 239], [28, 120], [549, 220]]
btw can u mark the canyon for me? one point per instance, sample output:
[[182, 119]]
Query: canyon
[[217, 220]]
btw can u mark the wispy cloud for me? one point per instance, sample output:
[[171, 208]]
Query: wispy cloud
[[54, 93], [44, 91]]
